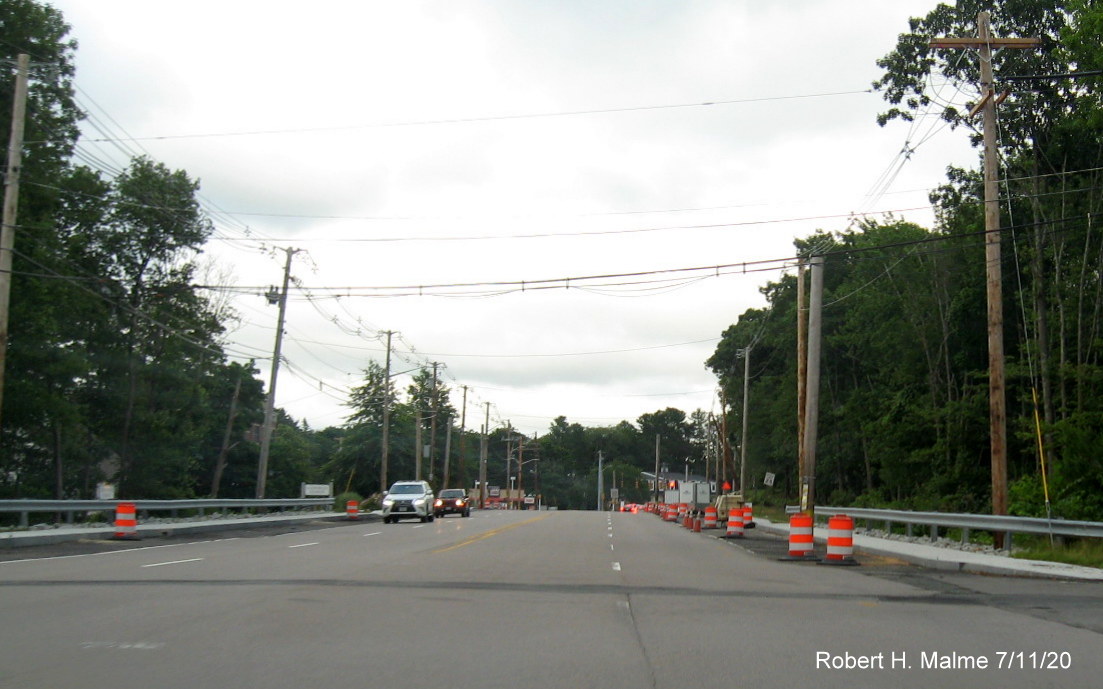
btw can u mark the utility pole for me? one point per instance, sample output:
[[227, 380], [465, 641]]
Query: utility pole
[[509, 463], [462, 469], [657, 436], [11, 205], [600, 482], [447, 451], [997, 393], [419, 450], [435, 399], [812, 403], [802, 365], [483, 451], [386, 416], [521, 468], [743, 440], [270, 403]]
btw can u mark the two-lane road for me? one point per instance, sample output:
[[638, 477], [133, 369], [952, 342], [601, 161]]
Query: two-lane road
[[518, 599]]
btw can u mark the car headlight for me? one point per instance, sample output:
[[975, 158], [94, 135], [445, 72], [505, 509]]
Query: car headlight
[[419, 502], [387, 502], [438, 503]]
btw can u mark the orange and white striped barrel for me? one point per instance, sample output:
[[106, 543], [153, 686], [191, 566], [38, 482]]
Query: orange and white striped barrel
[[352, 509], [748, 515], [710, 518], [126, 521], [800, 536], [670, 513], [840, 541], [735, 523]]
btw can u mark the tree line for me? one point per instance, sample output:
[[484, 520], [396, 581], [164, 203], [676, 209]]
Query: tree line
[[117, 365], [904, 410]]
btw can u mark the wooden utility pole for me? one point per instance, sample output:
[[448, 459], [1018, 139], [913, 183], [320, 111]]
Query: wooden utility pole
[[802, 365], [11, 205], [657, 436], [743, 438], [270, 403], [386, 416], [435, 399], [418, 449], [812, 391], [483, 452], [462, 469], [984, 43]]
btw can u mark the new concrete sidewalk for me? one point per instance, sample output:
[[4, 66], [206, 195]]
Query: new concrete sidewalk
[[951, 559]]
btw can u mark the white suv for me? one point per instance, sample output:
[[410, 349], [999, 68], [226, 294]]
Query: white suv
[[408, 499]]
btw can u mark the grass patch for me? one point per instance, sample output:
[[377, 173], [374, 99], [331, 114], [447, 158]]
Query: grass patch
[[1086, 553]]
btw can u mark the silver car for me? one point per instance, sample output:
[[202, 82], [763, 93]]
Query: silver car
[[408, 500]]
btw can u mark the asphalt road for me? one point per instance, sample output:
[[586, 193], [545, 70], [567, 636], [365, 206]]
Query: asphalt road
[[511, 599]]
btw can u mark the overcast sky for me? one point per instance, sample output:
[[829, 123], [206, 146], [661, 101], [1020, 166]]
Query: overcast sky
[[460, 142]]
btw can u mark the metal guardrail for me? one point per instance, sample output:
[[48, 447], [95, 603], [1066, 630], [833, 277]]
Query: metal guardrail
[[969, 522], [72, 507]]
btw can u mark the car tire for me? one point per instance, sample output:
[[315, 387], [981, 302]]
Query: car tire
[[430, 517], [386, 520]]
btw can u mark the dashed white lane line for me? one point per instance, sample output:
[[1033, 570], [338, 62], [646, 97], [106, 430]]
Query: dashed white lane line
[[303, 545], [616, 566], [173, 562], [373, 533]]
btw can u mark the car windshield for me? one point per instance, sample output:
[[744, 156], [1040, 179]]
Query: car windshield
[[406, 489], [451, 494]]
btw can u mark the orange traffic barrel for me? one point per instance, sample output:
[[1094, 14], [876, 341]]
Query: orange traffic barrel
[[710, 518], [735, 523], [800, 538], [352, 509], [670, 513], [126, 521], [840, 541], [748, 515]]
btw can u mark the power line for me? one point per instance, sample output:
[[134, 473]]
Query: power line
[[486, 118]]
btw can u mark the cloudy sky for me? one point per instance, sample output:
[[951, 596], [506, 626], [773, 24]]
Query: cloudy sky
[[402, 146]]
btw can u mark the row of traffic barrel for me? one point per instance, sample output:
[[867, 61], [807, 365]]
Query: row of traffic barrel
[[739, 518], [840, 530]]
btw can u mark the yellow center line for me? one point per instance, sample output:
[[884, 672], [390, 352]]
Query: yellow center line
[[488, 534]]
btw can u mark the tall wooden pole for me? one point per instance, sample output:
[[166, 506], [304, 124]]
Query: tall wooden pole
[[746, 414], [802, 366], [11, 205], [812, 403], [997, 393], [386, 452], [269, 426]]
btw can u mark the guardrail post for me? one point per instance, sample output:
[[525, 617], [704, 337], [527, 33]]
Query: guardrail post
[[24, 520], [965, 535], [934, 532], [908, 529]]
